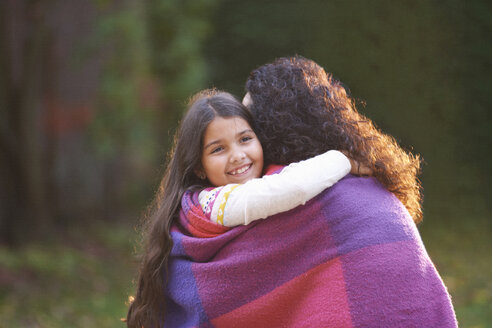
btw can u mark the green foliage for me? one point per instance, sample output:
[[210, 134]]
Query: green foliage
[[248, 34], [178, 30], [153, 61], [124, 117]]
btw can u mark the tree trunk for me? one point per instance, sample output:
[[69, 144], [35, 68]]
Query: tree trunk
[[23, 203]]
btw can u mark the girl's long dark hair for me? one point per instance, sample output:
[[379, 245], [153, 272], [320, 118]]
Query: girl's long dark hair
[[300, 111], [148, 307]]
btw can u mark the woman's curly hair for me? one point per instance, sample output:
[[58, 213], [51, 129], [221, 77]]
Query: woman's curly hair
[[300, 111]]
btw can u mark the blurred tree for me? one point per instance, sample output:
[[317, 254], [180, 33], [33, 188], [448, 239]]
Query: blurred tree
[[80, 129], [24, 204], [178, 30], [153, 59], [122, 132]]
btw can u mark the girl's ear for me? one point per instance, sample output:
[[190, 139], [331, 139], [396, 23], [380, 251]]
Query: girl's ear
[[200, 173]]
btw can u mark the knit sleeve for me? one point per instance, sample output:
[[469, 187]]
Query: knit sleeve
[[214, 200], [296, 184]]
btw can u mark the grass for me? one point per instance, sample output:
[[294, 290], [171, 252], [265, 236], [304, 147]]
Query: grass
[[461, 253], [83, 278]]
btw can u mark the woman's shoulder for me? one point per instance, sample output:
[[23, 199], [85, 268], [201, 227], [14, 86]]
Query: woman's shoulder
[[362, 192], [362, 207]]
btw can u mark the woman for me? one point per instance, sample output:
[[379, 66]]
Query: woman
[[388, 279]]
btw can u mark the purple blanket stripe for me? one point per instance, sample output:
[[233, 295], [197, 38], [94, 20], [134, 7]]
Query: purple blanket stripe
[[186, 305]]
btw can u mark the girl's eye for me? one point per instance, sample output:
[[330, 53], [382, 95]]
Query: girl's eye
[[246, 138], [216, 150]]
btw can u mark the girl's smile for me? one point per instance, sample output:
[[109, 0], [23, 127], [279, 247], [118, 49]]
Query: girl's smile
[[231, 152], [241, 170]]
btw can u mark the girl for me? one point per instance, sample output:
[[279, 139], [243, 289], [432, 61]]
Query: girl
[[216, 145]]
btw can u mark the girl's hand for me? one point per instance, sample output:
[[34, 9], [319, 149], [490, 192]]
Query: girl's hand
[[359, 169], [356, 167]]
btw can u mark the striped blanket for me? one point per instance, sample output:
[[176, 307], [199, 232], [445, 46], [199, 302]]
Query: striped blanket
[[351, 257]]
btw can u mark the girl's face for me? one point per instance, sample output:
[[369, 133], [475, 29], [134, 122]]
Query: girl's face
[[231, 152]]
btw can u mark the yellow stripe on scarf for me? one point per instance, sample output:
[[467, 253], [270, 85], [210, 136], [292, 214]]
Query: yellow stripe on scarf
[[220, 213]]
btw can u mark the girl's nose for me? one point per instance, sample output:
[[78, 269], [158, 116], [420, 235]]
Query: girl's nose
[[237, 156]]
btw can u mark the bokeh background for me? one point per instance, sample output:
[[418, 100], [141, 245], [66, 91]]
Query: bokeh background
[[91, 93]]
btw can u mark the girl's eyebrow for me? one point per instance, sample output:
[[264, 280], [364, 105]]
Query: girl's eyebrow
[[244, 131], [219, 140], [212, 143]]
